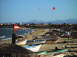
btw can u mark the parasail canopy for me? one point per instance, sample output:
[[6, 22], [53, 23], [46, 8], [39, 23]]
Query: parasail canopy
[[53, 8]]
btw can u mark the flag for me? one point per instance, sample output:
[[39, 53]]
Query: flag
[[16, 27]]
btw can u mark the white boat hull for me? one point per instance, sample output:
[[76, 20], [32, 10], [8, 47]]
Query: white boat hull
[[33, 48]]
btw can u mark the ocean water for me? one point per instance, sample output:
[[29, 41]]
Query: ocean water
[[7, 32]]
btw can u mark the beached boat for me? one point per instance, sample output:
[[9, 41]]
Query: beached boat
[[59, 55], [54, 53], [21, 43], [34, 47], [35, 42], [2, 37]]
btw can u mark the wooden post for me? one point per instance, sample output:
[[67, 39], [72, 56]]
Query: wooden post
[[13, 36]]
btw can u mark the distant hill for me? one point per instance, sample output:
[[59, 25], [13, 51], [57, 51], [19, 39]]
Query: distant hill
[[68, 21], [71, 21], [57, 21]]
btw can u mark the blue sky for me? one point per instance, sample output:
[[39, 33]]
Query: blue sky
[[37, 10]]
